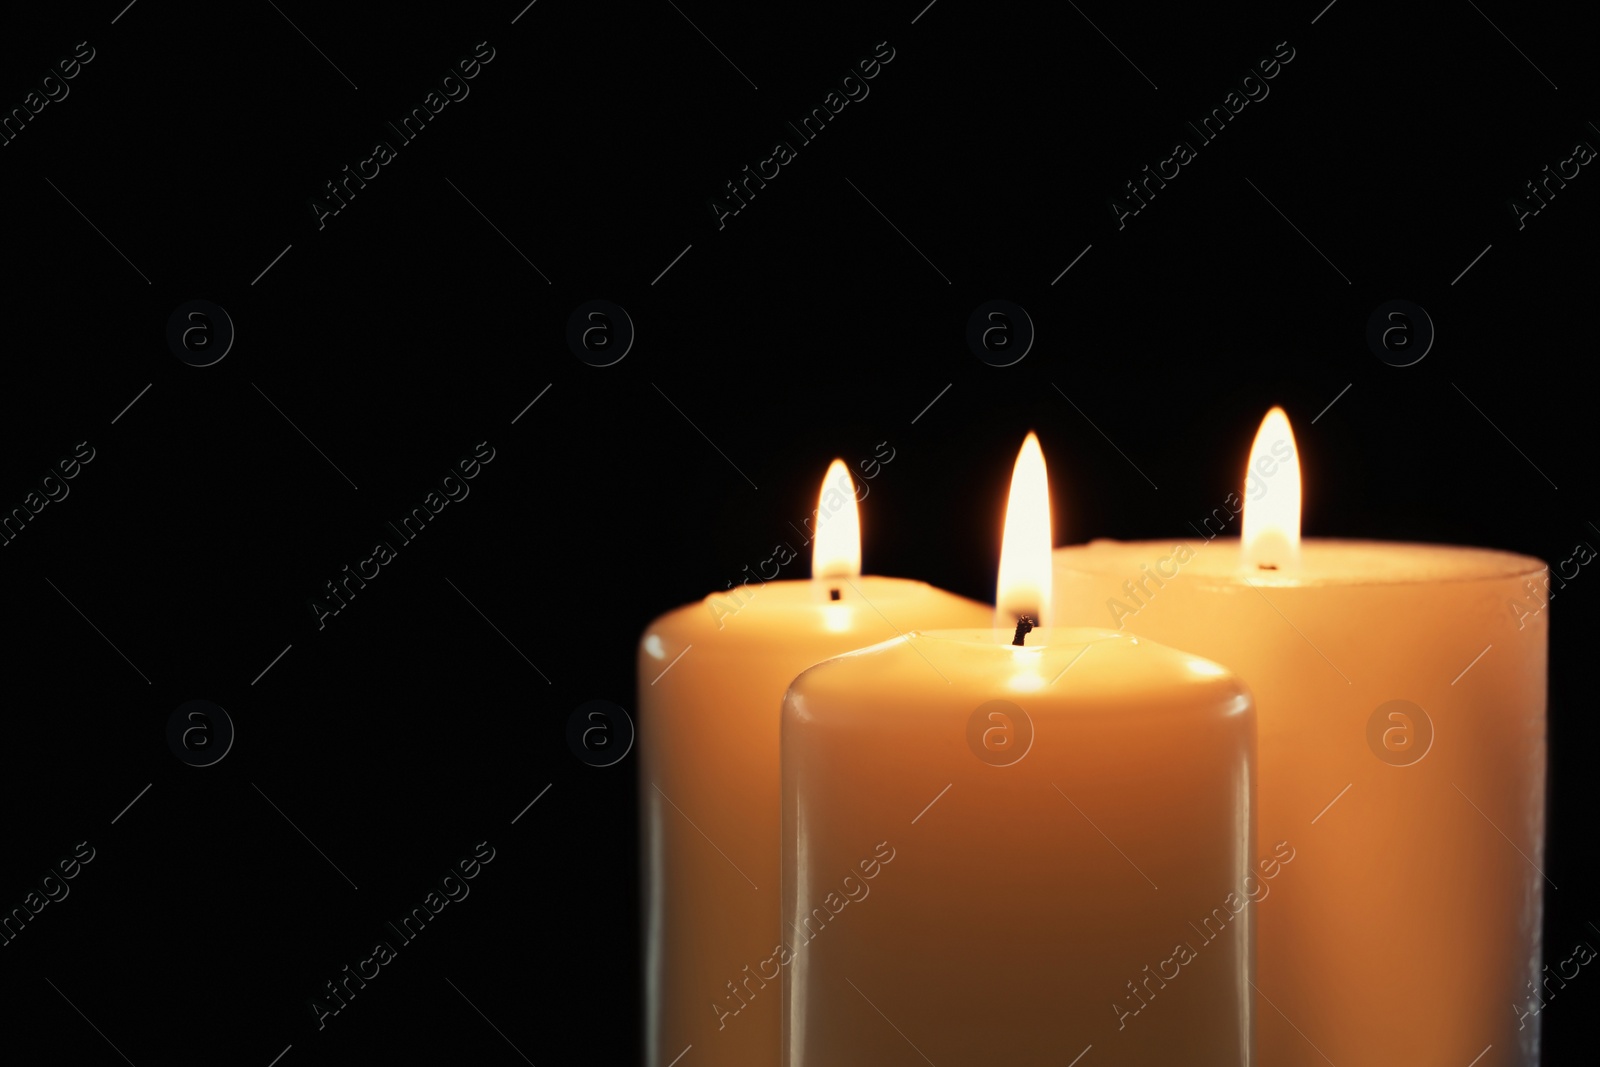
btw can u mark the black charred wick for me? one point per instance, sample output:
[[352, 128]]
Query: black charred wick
[[833, 594], [1025, 624]]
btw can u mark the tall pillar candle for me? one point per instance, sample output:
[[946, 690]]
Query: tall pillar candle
[[1400, 692], [711, 681], [1013, 845]]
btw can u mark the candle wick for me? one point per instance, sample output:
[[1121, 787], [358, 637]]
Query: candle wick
[[1025, 624], [1266, 566], [833, 594]]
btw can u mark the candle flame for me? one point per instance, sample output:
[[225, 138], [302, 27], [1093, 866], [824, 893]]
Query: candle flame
[[836, 553], [1270, 537], [1024, 583]]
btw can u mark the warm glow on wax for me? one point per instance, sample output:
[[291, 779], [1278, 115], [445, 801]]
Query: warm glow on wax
[[711, 676], [1270, 536], [1153, 747], [837, 550], [1024, 583]]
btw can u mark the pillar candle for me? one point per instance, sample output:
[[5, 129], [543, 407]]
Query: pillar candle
[[1400, 692], [1011, 845], [711, 680]]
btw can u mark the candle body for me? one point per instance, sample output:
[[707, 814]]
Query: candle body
[[1400, 694], [711, 681], [977, 882]]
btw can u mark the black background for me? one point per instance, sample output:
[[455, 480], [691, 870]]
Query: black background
[[407, 330]]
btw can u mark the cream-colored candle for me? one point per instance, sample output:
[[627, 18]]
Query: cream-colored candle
[[711, 679], [1000, 853], [1400, 690]]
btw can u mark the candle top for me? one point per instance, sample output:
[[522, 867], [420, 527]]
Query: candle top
[[1067, 668], [869, 607], [1323, 562]]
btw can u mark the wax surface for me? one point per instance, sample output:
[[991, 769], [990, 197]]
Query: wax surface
[[942, 907], [711, 679], [1408, 927]]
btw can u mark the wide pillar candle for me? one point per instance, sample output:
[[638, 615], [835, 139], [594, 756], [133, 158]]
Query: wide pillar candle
[[1400, 695], [712, 676], [1407, 772]]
